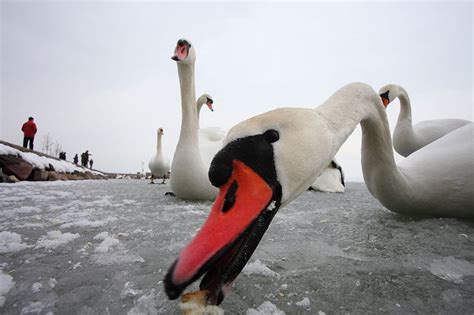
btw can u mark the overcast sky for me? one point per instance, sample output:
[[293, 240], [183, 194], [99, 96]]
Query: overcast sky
[[98, 75]]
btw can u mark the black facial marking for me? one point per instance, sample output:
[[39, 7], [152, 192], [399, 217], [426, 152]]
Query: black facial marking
[[229, 198], [271, 136], [385, 95], [209, 100]]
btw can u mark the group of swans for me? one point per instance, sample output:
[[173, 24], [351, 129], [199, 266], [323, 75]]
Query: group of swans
[[196, 146], [266, 162]]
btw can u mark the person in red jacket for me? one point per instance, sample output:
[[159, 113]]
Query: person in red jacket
[[29, 130]]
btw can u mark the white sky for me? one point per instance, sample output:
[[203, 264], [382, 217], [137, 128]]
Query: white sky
[[98, 75]]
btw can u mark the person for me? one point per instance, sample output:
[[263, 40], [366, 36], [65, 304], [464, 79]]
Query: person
[[85, 158], [91, 162], [76, 159], [29, 130]]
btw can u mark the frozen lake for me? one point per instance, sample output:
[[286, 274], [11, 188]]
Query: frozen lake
[[103, 247]]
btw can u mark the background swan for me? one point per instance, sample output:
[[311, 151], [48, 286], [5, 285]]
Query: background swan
[[270, 159], [408, 138], [331, 179], [189, 178], [210, 138], [159, 165]]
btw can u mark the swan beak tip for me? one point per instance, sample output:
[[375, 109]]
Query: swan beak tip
[[175, 58]]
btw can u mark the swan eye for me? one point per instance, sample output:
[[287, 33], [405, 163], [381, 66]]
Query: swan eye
[[271, 136]]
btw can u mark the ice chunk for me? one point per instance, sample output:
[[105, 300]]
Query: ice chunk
[[55, 239], [6, 283], [11, 242], [266, 308], [259, 268], [129, 291], [33, 308], [36, 287], [304, 302], [146, 304], [452, 269], [107, 244], [52, 282]]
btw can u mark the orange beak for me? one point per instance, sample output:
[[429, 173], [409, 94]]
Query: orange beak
[[220, 245], [385, 101]]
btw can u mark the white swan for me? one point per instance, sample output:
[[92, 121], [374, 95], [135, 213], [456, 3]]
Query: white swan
[[210, 138], [408, 138], [331, 179], [189, 178], [272, 158], [159, 165]]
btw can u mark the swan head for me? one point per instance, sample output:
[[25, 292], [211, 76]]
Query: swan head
[[388, 93], [184, 52], [205, 99], [262, 166], [160, 131]]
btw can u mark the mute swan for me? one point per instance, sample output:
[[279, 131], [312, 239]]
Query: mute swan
[[269, 160], [189, 178], [407, 138], [159, 165], [210, 138], [331, 179]]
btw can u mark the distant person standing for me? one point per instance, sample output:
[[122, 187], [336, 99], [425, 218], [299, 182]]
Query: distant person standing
[[29, 130], [76, 159], [85, 158], [91, 162]]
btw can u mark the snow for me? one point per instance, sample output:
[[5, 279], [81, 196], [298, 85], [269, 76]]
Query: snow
[[55, 239], [36, 287], [266, 308], [94, 251], [304, 302], [259, 268], [11, 242], [6, 283], [42, 162]]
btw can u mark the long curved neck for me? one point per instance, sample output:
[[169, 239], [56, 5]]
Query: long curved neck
[[405, 107], [189, 116], [199, 103], [359, 103], [158, 143]]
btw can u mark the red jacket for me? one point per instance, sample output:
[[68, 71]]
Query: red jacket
[[29, 128]]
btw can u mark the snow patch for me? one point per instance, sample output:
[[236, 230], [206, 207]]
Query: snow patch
[[55, 239], [52, 283], [33, 308], [6, 283], [266, 308], [129, 291], [259, 268], [11, 242], [304, 302], [86, 222], [107, 245], [146, 304], [36, 287], [452, 269]]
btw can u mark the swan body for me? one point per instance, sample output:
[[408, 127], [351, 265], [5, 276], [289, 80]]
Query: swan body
[[159, 165], [270, 159], [331, 179], [408, 138], [189, 178]]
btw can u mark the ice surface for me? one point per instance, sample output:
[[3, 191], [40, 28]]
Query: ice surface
[[343, 252], [267, 308], [304, 302], [6, 283]]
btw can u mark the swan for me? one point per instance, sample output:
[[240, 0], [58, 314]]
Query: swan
[[407, 138], [331, 179], [159, 165], [270, 159], [189, 178], [210, 138]]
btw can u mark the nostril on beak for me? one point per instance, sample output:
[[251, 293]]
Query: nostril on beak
[[229, 199]]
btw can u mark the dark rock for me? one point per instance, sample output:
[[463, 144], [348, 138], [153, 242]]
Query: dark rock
[[13, 165], [38, 175]]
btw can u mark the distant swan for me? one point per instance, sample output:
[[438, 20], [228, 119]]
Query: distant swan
[[159, 165], [408, 138]]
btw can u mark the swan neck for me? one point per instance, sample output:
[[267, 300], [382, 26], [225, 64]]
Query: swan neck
[[362, 105], [158, 143], [189, 115], [405, 106]]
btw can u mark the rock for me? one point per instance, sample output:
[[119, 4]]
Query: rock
[[71, 176], [13, 165], [52, 176], [38, 175]]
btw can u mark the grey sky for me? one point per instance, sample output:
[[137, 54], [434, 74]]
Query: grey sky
[[98, 75]]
